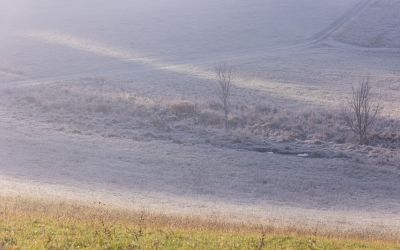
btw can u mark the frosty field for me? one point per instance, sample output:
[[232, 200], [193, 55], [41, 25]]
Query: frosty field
[[116, 103]]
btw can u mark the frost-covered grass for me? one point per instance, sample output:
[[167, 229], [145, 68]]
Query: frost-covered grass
[[377, 27], [114, 112], [97, 107], [54, 225]]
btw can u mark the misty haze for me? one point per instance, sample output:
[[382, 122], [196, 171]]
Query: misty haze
[[187, 124]]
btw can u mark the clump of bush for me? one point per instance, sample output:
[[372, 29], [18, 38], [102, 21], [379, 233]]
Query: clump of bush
[[183, 109], [361, 113], [108, 110]]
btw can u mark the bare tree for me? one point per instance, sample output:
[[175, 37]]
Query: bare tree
[[224, 78], [362, 112]]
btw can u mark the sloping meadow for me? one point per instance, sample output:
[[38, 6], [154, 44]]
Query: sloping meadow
[[376, 27]]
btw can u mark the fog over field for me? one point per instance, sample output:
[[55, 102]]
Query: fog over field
[[117, 101], [171, 31]]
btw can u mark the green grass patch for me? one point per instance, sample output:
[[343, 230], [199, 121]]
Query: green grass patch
[[28, 224]]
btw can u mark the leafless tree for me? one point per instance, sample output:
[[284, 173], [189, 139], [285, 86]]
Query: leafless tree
[[224, 78], [362, 112]]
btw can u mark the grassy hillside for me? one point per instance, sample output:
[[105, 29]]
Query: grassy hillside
[[376, 27], [44, 225]]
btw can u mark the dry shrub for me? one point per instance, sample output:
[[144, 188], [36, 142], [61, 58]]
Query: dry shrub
[[124, 114], [289, 125], [224, 78], [236, 122], [159, 123], [215, 106], [209, 118], [361, 113], [183, 109]]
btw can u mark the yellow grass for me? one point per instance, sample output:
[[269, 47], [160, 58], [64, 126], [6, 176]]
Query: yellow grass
[[31, 224]]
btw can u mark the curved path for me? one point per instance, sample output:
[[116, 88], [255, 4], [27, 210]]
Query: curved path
[[347, 17]]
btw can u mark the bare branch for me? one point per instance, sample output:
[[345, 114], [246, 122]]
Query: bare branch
[[224, 78], [362, 112]]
